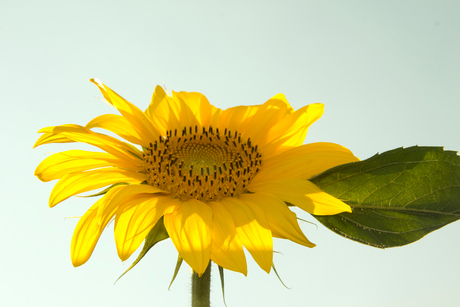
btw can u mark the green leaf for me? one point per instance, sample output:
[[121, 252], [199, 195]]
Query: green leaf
[[397, 197], [157, 234]]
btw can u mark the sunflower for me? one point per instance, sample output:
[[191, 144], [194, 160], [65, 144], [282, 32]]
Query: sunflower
[[220, 180]]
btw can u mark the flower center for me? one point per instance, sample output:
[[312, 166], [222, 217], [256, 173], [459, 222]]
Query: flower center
[[203, 165]]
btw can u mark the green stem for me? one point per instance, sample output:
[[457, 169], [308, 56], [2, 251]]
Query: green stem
[[201, 288]]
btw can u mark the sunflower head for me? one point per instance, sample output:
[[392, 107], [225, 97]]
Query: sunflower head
[[203, 164], [219, 178]]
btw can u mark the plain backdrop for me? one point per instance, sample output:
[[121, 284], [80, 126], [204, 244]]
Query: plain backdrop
[[387, 72]]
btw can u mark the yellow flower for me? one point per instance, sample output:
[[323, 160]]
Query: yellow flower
[[220, 178]]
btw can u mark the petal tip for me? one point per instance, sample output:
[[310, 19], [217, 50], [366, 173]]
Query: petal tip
[[76, 263], [96, 81]]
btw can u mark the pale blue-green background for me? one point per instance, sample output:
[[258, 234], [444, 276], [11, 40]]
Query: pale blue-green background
[[387, 71]]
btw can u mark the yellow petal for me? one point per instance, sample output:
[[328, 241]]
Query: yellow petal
[[282, 221], [118, 194], [236, 118], [92, 224], [305, 161], [195, 109], [135, 217], [132, 113], [226, 248], [87, 233], [71, 161], [76, 183], [158, 97], [120, 126], [76, 133], [268, 115], [215, 115], [48, 138], [254, 122], [189, 228], [303, 194], [164, 112], [253, 230], [291, 130]]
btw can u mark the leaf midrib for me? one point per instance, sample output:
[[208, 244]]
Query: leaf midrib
[[404, 209]]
